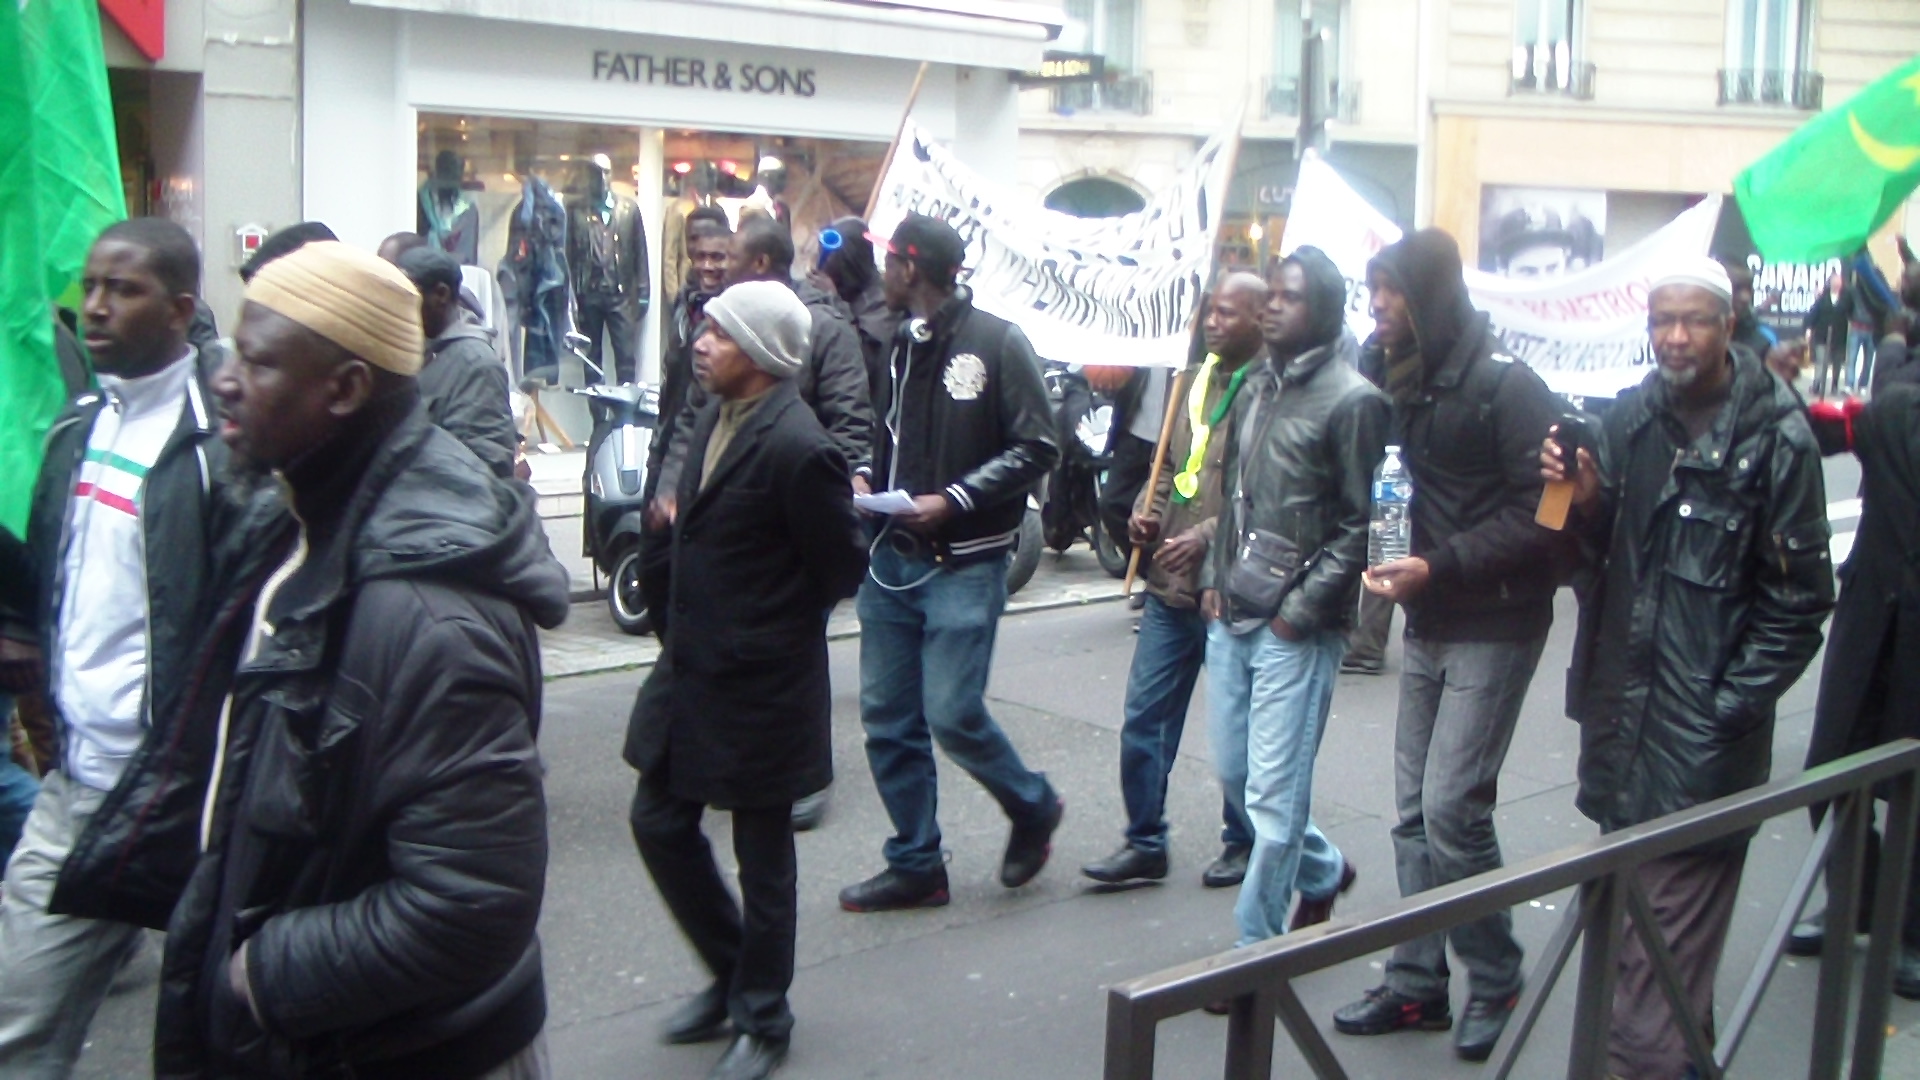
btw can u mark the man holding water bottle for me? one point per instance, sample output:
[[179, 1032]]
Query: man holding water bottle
[[1475, 575]]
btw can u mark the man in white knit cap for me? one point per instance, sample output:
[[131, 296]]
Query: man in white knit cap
[[1704, 518], [735, 714]]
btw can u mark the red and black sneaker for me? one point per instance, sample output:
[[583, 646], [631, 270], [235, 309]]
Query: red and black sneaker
[[1382, 1011]]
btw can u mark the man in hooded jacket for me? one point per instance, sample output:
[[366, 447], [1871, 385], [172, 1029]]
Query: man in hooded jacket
[[1478, 593], [375, 834], [462, 382], [1280, 584]]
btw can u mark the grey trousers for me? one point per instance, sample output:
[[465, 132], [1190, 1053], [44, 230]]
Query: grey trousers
[[1367, 645], [54, 969], [1459, 702], [1692, 897]]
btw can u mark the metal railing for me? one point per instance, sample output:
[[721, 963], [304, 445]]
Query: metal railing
[[1794, 89], [1116, 93], [1544, 70], [1280, 96], [1259, 979]]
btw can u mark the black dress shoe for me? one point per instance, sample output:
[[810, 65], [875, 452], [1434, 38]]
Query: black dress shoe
[[1128, 864], [1229, 869], [1906, 974], [897, 890], [1314, 912], [1480, 1028], [810, 810], [1809, 936], [702, 1019], [750, 1058], [1029, 846]]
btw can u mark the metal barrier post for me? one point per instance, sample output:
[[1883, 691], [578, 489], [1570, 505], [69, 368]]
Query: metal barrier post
[[1889, 912], [1129, 1040], [1852, 810], [1599, 963], [1250, 1036]]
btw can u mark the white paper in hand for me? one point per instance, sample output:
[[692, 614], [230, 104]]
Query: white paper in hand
[[885, 502]]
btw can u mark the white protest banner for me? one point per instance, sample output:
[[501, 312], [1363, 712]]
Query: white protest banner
[[1585, 332], [1085, 290]]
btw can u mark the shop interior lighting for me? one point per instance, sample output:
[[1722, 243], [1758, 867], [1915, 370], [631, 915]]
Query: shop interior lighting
[[1255, 232]]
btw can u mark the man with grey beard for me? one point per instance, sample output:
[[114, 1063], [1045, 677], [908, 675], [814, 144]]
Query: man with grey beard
[[1704, 519]]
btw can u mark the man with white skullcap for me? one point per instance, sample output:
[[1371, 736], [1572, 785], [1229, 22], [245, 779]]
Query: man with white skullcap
[[735, 713], [374, 838], [1702, 506]]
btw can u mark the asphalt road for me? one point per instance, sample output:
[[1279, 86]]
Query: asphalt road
[[1009, 983]]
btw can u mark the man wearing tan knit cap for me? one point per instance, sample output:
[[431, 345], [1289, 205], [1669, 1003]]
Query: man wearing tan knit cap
[[375, 782]]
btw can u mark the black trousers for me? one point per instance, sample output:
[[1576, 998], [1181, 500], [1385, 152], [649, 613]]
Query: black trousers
[[609, 315], [752, 956], [1132, 460]]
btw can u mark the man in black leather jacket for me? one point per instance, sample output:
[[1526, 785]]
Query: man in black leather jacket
[[375, 843], [966, 432], [1478, 593], [1704, 516], [1280, 582]]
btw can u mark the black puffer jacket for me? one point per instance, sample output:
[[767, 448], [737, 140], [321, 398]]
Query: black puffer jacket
[[1307, 435], [133, 858], [1470, 436], [378, 841], [965, 414], [464, 386], [1707, 579]]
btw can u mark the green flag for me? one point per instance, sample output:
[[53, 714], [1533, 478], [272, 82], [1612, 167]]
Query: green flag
[[59, 186], [1825, 190]]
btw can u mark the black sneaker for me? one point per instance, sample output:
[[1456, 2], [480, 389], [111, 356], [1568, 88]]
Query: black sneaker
[[1480, 1028], [1809, 936], [897, 890], [1229, 869], [1128, 864], [1383, 1010], [1029, 846]]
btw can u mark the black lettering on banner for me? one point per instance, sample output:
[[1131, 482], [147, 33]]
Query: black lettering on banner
[[600, 63], [746, 78], [760, 80], [722, 78], [804, 85]]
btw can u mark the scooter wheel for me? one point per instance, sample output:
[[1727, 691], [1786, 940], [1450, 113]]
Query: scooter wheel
[[624, 600]]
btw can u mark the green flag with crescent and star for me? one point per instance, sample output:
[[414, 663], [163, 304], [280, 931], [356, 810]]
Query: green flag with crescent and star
[[59, 186], [1825, 190]]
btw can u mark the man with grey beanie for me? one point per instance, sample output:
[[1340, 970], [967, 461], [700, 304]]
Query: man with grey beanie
[[735, 714]]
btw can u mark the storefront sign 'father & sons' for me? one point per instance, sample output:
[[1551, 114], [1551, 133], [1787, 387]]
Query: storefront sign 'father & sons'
[[702, 74]]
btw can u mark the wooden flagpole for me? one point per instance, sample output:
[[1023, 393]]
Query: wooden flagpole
[[1178, 398], [913, 95]]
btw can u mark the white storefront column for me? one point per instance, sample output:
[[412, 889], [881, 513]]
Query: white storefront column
[[650, 194]]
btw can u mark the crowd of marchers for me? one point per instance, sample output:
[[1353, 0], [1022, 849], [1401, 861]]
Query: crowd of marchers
[[279, 595]]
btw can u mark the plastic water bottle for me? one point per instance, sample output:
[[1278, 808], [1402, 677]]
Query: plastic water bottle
[[1391, 535]]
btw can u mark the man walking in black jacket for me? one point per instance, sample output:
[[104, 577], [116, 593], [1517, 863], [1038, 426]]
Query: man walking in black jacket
[[1478, 593], [463, 384], [1280, 582], [966, 432], [736, 714], [130, 502], [1704, 517], [375, 840]]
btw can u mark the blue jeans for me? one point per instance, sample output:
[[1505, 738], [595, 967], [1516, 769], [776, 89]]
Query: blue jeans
[[1267, 704], [18, 788], [924, 657], [1166, 663], [1860, 350]]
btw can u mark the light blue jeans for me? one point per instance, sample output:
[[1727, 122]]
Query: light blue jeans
[[1267, 703]]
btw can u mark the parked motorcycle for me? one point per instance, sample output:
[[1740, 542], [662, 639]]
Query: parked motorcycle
[[1071, 509], [624, 420]]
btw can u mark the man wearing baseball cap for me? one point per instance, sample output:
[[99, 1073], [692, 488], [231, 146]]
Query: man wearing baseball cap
[[966, 431], [1703, 507], [374, 837], [736, 713]]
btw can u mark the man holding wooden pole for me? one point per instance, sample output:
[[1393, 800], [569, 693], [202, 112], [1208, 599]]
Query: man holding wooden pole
[[1174, 515]]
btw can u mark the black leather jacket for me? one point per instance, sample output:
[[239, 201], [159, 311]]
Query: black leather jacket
[[1707, 580], [966, 414], [1307, 437]]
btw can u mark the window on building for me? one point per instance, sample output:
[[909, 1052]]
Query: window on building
[[1111, 28], [1283, 90], [1767, 54], [1546, 52]]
